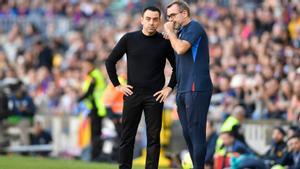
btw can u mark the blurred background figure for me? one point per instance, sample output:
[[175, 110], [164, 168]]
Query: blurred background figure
[[40, 136], [21, 111], [278, 147], [93, 88], [292, 158]]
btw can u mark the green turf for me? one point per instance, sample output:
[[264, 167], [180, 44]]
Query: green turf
[[20, 162]]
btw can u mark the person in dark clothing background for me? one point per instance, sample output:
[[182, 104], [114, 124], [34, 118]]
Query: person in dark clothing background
[[278, 147], [40, 137], [234, 147], [21, 111], [44, 55], [146, 52], [292, 158]]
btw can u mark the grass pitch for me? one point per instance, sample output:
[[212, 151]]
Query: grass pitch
[[21, 162]]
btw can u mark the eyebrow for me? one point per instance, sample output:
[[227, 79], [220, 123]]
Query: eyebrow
[[171, 14], [148, 17]]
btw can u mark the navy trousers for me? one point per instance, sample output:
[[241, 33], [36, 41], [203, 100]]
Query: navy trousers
[[192, 109]]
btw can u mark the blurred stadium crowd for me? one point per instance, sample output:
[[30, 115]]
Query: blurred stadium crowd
[[254, 56]]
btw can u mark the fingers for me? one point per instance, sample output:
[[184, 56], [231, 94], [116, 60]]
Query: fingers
[[165, 96], [165, 35], [126, 90], [129, 86], [157, 93], [161, 96]]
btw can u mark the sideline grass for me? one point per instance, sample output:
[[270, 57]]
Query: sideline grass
[[21, 162]]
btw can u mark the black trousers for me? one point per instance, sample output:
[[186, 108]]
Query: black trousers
[[96, 141], [134, 105]]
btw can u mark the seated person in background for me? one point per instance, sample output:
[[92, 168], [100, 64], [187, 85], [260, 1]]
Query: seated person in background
[[233, 146], [292, 158], [278, 147], [242, 155], [40, 137], [293, 130], [233, 123], [21, 111]]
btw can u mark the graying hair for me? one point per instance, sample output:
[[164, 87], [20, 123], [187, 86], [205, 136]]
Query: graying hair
[[183, 6]]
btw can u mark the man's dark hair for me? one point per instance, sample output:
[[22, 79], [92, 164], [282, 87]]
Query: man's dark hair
[[296, 136], [90, 60], [38, 42], [280, 129], [151, 8], [295, 129], [230, 133], [210, 123]]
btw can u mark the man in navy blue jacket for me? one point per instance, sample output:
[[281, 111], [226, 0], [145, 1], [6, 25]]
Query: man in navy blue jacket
[[194, 90]]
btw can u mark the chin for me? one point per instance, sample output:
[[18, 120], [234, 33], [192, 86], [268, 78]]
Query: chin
[[151, 32]]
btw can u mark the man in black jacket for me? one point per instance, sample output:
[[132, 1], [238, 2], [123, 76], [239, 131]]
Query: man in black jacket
[[146, 52]]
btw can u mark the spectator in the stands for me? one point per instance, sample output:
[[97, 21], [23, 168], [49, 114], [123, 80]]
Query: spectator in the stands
[[22, 109], [40, 136]]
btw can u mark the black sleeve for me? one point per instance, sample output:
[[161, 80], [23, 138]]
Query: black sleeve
[[171, 59], [116, 54], [89, 92]]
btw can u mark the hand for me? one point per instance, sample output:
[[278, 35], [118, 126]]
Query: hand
[[169, 27], [163, 94], [125, 89], [165, 35]]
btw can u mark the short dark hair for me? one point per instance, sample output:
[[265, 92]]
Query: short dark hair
[[280, 129], [210, 123], [296, 136], [151, 8], [182, 6], [90, 60], [230, 133], [294, 128]]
